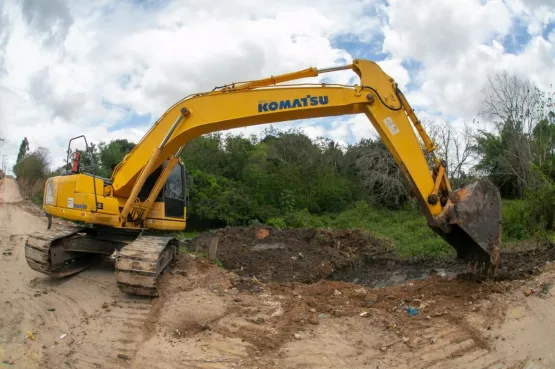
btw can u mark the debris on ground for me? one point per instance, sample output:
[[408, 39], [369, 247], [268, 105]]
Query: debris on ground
[[546, 287], [284, 310], [412, 311]]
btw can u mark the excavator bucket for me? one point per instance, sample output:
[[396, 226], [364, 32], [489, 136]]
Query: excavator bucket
[[471, 222]]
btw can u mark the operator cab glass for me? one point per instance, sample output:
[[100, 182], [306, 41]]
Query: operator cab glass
[[173, 192]]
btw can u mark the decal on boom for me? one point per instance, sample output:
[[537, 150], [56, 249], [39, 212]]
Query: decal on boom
[[265, 106]]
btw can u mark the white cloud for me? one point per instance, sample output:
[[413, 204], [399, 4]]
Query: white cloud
[[394, 68], [77, 67], [437, 30], [459, 44]]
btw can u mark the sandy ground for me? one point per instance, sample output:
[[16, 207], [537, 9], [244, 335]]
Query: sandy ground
[[210, 318]]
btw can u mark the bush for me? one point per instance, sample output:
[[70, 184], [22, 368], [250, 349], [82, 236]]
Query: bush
[[276, 222], [31, 173], [304, 219], [516, 220]]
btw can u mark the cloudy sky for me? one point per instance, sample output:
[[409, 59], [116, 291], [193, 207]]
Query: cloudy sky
[[108, 69]]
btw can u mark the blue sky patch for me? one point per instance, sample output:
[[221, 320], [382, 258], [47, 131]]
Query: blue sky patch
[[548, 29], [517, 38], [412, 67], [132, 121], [360, 50]]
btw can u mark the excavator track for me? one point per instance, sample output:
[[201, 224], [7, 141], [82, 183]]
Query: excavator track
[[45, 256], [140, 264]]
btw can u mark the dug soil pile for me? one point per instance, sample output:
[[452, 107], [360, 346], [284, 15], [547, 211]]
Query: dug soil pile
[[299, 255], [310, 255]]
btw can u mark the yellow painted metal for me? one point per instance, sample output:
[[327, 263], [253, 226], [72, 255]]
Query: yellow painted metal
[[309, 72], [397, 132], [85, 216], [148, 168], [446, 183], [264, 101], [74, 199], [439, 179], [165, 224]]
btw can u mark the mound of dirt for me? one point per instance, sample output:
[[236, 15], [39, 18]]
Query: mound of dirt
[[300, 255]]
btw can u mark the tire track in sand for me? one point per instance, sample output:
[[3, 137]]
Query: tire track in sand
[[50, 308], [111, 337]]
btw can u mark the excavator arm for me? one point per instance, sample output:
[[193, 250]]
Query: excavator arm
[[468, 218]]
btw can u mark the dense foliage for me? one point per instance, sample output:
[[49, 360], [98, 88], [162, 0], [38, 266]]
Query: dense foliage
[[240, 180]]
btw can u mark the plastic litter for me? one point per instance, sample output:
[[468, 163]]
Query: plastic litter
[[412, 311]]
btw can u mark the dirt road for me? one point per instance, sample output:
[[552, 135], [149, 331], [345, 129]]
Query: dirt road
[[210, 318]]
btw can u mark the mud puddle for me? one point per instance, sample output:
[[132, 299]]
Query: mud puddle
[[389, 272]]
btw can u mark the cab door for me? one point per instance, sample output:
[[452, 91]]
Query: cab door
[[174, 193]]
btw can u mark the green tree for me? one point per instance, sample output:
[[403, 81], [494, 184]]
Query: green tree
[[111, 154], [23, 150]]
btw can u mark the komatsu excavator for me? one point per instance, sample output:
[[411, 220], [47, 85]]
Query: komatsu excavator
[[147, 189]]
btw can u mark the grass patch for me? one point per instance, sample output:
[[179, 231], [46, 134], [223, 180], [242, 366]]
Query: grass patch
[[185, 235], [408, 229], [516, 216]]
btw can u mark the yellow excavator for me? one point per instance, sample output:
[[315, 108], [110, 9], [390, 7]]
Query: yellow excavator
[[147, 189]]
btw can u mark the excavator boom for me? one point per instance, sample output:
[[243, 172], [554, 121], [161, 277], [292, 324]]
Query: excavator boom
[[467, 218]]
